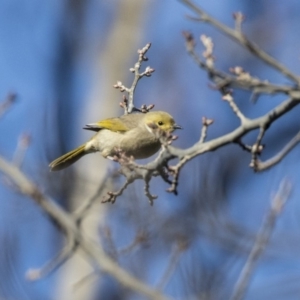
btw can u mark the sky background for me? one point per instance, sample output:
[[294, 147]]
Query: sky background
[[62, 58]]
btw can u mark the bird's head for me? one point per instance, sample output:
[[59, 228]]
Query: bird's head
[[160, 120]]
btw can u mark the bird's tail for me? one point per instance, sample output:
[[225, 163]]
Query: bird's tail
[[68, 159]]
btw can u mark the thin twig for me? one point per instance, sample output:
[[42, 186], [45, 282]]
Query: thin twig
[[239, 19], [173, 262], [54, 263], [112, 196], [7, 103], [148, 194], [65, 223], [257, 148], [141, 237], [20, 152], [201, 148], [228, 97], [112, 250], [205, 123], [261, 166], [225, 80], [239, 37], [82, 210], [133, 171], [261, 240], [128, 104]]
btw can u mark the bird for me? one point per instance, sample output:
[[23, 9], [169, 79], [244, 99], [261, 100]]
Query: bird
[[131, 133]]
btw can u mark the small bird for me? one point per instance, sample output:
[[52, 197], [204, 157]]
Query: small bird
[[132, 134]]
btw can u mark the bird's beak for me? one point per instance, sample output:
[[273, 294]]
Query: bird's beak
[[93, 127], [176, 126]]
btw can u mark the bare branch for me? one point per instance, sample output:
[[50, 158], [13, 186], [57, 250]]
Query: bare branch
[[64, 222], [262, 240], [224, 80], [150, 197], [240, 38], [128, 105], [185, 155], [112, 196], [53, 264], [239, 19], [82, 210], [205, 123], [7, 103], [261, 166], [141, 237], [208, 53], [180, 246], [228, 97], [133, 171], [257, 148], [23, 144], [112, 250]]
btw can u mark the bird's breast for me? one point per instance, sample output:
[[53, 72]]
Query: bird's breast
[[137, 143]]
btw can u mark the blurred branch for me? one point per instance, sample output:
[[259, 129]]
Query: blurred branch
[[141, 237], [241, 80], [180, 246], [7, 103], [67, 225], [80, 213], [20, 152], [262, 239], [55, 263], [237, 35]]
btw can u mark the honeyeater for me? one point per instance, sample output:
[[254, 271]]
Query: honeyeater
[[131, 133]]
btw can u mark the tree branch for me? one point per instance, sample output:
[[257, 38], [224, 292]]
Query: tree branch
[[261, 166], [224, 80], [262, 240], [128, 104], [240, 38], [65, 223]]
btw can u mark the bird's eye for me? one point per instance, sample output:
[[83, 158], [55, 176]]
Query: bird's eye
[[160, 123]]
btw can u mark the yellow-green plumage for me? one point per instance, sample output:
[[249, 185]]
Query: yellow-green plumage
[[130, 133], [113, 124], [67, 159]]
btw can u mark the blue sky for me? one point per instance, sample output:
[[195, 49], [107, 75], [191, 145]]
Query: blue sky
[[49, 58]]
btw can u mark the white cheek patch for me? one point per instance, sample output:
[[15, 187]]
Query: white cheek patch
[[149, 128]]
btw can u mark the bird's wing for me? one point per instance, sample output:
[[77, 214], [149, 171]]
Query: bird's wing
[[112, 124]]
